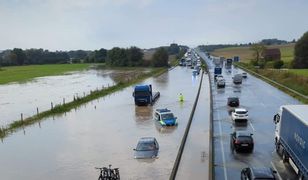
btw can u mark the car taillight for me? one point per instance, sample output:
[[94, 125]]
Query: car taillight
[[237, 142]]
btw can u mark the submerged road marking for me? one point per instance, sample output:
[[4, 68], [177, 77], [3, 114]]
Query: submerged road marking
[[222, 148], [276, 170]]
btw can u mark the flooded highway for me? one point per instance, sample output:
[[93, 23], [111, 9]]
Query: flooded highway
[[17, 98], [102, 132], [262, 102], [195, 160]]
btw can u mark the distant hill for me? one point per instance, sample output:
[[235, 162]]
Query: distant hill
[[273, 42]]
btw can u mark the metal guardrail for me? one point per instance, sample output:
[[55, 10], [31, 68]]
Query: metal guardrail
[[182, 145], [272, 81]]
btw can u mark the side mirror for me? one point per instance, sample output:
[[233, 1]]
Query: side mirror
[[275, 172], [276, 118]]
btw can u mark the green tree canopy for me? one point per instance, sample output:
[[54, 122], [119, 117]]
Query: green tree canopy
[[160, 57], [301, 52]]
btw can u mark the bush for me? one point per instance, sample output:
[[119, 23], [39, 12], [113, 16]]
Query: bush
[[301, 52], [278, 64]]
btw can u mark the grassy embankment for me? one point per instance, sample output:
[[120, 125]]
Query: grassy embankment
[[62, 108], [296, 79], [25, 73]]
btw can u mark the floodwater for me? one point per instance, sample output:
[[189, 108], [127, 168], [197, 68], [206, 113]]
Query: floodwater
[[102, 132], [17, 98]]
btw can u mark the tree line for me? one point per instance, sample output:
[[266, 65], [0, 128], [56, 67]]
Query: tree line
[[116, 56]]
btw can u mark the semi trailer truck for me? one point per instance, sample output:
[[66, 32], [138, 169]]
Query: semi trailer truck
[[144, 95], [291, 135]]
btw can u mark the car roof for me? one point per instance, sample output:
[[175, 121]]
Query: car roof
[[263, 172], [162, 110], [146, 139], [242, 133], [240, 109]]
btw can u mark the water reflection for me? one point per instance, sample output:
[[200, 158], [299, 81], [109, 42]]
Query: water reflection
[[164, 129]]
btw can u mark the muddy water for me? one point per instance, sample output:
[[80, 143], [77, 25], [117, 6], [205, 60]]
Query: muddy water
[[102, 132], [17, 98]]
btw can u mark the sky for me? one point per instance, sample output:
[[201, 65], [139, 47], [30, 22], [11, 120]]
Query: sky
[[95, 24]]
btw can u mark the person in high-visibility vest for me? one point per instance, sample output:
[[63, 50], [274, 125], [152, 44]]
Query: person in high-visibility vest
[[181, 97]]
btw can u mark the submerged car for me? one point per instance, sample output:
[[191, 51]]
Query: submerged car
[[239, 115], [165, 117], [242, 141], [258, 173], [147, 147]]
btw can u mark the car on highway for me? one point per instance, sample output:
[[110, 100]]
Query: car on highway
[[218, 77], [221, 83], [241, 141], [251, 173], [237, 79], [239, 115], [233, 101], [244, 75], [147, 147], [165, 117]]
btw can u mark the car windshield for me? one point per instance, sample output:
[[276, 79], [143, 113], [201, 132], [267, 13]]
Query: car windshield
[[241, 112], [244, 138], [167, 116], [141, 93], [145, 146]]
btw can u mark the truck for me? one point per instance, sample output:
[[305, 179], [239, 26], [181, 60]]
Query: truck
[[291, 135], [144, 95], [228, 63], [217, 71], [236, 59]]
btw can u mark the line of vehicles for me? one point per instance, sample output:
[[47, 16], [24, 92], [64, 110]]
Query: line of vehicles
[[291, 133], [241, 141], [192, 60]]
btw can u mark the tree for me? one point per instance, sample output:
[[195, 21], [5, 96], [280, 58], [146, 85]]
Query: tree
[[174, 49], [301, 52], [134, 56], [20, 56], [160, 58], [257, 51], [116, 57]]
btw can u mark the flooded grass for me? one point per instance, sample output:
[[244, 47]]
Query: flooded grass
[[25, 73], [62, 108]]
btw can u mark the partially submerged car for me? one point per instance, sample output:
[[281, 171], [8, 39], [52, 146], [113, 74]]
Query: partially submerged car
[[147, 147], [165, 117]]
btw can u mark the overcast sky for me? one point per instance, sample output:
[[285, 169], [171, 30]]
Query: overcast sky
[[94, 24]]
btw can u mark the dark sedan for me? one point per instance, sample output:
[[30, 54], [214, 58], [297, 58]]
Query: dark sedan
[[258, 173], [242, 141]]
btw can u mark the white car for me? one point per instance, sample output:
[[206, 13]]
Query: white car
[[218, 77], [239, 115]]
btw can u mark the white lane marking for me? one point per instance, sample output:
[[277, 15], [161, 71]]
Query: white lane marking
[[222, 148], [252, 126], [276, 170]]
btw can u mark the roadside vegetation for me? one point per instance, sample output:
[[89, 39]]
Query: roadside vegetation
[[25, 73], [62, 108], [291, 69]]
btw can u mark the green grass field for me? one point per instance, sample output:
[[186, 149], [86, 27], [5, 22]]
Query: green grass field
[[300, 72], [287, 51], [25, 73]]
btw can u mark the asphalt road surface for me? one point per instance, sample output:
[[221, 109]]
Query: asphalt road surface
[[262, 102]]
